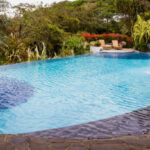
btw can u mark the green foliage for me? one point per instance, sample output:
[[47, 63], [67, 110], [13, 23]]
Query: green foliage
[[87, 47], [70, 24], [97, 43], [66, 52], [141, 34], [77, 3], [32, 27], [92, 43], [76, 44], [129, 9], [15, 50], [35, 29], [51, 35]]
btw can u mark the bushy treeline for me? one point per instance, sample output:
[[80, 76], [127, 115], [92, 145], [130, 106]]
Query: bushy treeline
[[43, 31]]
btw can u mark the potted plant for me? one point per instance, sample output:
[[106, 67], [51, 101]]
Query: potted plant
[[95, 47]]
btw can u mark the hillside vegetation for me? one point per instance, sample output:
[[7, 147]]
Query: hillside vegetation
[[36, 33]]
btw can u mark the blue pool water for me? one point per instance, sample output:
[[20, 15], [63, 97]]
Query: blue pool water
[[62, 92]]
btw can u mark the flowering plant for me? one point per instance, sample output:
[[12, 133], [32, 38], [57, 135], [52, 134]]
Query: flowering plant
[[108, 38]]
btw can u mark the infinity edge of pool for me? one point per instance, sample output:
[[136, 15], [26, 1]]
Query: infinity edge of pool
[[103, 127]]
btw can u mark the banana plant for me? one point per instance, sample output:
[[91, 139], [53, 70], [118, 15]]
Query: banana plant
[[141, 33]]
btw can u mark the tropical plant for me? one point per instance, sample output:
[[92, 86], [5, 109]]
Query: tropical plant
[[15, 50], [66, 52], [141, 34]]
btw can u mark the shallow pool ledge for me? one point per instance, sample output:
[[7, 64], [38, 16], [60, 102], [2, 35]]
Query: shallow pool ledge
[[134, 123]]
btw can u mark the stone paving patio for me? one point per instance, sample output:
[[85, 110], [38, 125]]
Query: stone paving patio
[[17, 142]]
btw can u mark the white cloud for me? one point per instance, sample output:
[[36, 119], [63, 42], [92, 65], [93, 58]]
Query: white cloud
[[11, 12]]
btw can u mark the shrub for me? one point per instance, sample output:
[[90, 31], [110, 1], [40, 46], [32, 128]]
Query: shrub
[[15, 51], [87, 46], [97, 43], [66, 52], [76, 44]]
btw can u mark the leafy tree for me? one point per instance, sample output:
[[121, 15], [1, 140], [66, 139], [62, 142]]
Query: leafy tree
[[3, 27], [129, 9]]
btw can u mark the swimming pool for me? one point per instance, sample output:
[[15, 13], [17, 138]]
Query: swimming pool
[[68, 91]]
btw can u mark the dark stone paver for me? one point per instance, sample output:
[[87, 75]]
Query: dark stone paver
[[134, 123]]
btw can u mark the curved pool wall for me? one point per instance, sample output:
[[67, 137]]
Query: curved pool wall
[[74, 90]]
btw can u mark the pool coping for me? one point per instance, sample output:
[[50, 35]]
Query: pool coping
[[133, 123]]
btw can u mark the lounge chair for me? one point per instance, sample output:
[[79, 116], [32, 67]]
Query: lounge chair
[[106, 47], [116, 45]]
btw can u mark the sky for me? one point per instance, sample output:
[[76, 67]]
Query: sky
[[15, 2], [10, 12]]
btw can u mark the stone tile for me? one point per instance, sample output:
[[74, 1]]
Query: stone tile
[[56, 140], [38, 144], [19, 142], [58, 146], [7, 146], [113, 147], [78, 146], [1, 138], [141, 141]]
